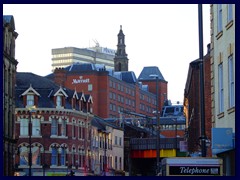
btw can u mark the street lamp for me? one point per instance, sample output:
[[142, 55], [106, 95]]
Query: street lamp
[[158, 122], [105, 153], [203, 133], [31, 109]]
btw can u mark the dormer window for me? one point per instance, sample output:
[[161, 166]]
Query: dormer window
[[59, 101], [30, 100], [60, 96], [30, 97]]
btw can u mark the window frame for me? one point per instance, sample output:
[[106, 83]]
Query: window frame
[[231, 95], [220, 89]]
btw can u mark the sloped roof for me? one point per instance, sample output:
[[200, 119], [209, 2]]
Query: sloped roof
[[78, 67], [45, 87], [129, 77], [24, 79], [150, 70]]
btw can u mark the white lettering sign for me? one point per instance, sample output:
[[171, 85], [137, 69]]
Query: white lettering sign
[[194, 170], [80, 80]]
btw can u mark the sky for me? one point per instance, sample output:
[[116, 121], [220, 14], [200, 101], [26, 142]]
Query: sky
[[162, 35]]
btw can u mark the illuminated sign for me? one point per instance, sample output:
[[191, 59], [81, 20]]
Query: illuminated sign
[[194, 170], [80, 80]]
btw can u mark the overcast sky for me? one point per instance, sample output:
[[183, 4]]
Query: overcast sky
[[163, 35]]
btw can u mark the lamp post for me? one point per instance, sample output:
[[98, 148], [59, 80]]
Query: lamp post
[[203, 135], [31, 109], [158, 123], [105, 153]]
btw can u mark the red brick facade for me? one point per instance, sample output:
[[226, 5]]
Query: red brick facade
[[193, 107], [110, 95]]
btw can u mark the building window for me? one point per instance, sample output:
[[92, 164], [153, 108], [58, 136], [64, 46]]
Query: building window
[[120, 163], [54, 128], [30, 100], [36, 155], [220, 87], [115, 140], [90, 87], [120, 141], [73, 129], [63, 156], [219, 18], [230, 13], [80, 131], [36, 127], [59, 100], [54, 156], [23, 156], [63, 127], [23, 127], [116, 162], [231, 82]]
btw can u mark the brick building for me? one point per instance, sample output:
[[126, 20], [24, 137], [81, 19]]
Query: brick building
[[192, 106], [116, 90], [56, 122], [8, 72]]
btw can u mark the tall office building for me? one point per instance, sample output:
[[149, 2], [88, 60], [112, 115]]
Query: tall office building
[[63, 57]]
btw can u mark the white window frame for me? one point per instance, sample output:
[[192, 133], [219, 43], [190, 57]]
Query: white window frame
[[30, 100], [24, 125], [219, 18], [220, 88], [36, 127], [230, 13], [54, 127], [59, 101], [63, 127], [231, 82]]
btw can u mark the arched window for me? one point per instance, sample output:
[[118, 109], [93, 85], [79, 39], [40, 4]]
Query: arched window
[[63, 156], [54, 156], [119, 66]]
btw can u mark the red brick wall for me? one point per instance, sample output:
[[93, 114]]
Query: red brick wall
[[100, 82], [194, 100], [46, 140]]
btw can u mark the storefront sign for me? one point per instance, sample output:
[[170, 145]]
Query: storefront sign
[[80, 80], [194, 170], [222, 140]]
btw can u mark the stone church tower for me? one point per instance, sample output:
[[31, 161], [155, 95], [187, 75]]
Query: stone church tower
[[121, 60]]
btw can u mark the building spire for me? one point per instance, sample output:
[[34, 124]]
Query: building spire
[[121, 60]]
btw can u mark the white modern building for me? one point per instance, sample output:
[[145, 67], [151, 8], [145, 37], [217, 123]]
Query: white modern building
[[63, 57], [223, 83]]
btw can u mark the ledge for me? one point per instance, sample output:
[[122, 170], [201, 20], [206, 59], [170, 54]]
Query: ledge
[[220, 115], [231, 110], [219, 35], [229, 24]]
